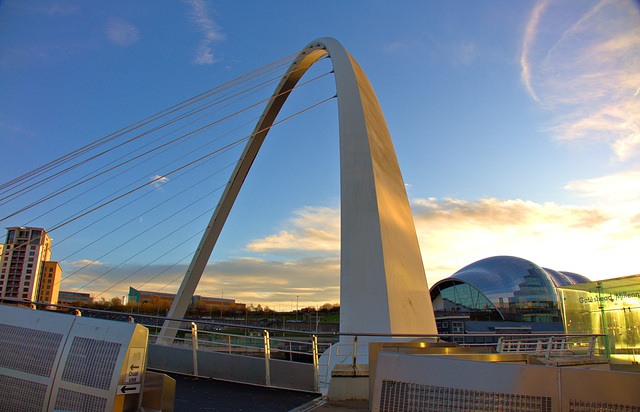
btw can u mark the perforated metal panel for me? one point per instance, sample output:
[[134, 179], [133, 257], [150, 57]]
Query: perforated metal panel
[[585, 406], [444, 383], [409, 397], [91, 362], [68, 400], [21, 346], [51, 361], [21, 395]]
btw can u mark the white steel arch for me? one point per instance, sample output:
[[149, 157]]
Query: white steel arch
[[383, 288]]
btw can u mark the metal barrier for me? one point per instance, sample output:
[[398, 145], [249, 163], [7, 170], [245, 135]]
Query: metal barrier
[[279, 357], [548, 346]]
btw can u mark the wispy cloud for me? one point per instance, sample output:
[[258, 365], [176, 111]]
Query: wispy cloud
[[620, 191], [581, 63], [209, 29], [122, 32], [86, 262], [158, 180], [529, 37], [313, 281], [305, 261]]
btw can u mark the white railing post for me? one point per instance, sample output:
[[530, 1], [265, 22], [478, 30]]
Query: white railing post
[[500, 346], [316, 377], [194, 341], [592, 346], [267, 358], [549, 346], [355, 351]]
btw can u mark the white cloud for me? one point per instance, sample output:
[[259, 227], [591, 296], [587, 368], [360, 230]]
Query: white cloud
[[581, 63], [314, 229], [619, 191], [594, 241], [122, 32], [586, 240], [209, 29], [453, 233]]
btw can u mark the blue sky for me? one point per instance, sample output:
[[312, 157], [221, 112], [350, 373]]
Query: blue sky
[[515, 124]]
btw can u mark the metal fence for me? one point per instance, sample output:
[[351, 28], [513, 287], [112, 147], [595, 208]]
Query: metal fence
[[273, 345]]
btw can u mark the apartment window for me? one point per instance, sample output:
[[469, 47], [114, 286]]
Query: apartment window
[[49, 281], [50, 269], [48, 286], [29, 265], [32, 253], [458, 327], [445, 325], [29, 270], [27, 283], [30, 259], [24, 296], [33, 248], [25, 289], [27, 277]]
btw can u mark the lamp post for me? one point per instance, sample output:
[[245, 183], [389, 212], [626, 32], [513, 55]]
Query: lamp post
[[297, 308]]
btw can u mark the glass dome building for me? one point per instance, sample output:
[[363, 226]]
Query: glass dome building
[[503, 288]]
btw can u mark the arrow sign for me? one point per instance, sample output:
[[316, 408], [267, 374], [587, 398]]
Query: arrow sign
[[132, 367], [128, 389]]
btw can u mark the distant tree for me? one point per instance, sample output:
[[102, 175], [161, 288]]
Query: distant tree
[[326, 307]]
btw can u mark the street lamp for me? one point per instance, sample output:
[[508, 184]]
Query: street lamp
[[297, 308]]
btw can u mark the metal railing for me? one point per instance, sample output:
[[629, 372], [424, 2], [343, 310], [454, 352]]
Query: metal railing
[[551, 346], [306, 347]]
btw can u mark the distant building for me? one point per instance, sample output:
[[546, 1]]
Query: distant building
[[207, 303], [500, 295], [25, 255], [49, 282], [72, 298], [610, 307], [503, 288]]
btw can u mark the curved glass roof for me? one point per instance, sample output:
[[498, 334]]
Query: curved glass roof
[[517, 288]]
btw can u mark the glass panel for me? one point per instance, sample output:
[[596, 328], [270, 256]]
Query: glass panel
[[611, 307]]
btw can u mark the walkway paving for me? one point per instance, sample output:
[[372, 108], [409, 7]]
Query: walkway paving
[[198, 394]]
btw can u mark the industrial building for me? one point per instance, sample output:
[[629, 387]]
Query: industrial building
[[207, 303]]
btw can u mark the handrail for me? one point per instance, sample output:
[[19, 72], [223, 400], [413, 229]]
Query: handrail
[[267, 343]]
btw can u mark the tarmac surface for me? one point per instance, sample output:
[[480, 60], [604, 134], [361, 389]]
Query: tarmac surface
[[200, 394]]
